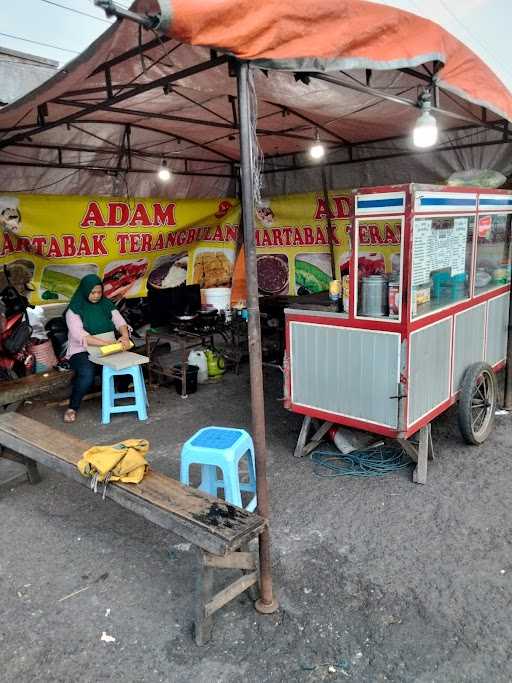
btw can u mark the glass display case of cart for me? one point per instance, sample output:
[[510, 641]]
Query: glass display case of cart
[[379, 267], [441, 262], [493, 262]]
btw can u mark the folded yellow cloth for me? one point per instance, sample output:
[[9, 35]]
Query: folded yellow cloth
[[123, 461]]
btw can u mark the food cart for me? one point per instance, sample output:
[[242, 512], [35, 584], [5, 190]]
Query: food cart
[[421, 329]]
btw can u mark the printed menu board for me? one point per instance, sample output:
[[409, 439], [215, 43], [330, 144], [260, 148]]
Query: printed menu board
[[459, 240], [421, 251], [438, 244]]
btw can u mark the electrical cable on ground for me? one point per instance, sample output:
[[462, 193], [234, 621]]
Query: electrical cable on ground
[[375, 461]]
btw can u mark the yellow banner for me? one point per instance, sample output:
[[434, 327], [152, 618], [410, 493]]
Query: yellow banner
[[292, 242], [61, 239], [128, 242]]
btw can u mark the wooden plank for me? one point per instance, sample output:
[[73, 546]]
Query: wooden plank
[[409, 448], [230, 592], [419, 476], [303, 436], [318, 437], [431, 454], [305, 446], [33, 385], [204, 520], [231, 561]]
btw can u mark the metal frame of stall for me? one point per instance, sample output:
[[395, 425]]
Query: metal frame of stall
[[393, 376]]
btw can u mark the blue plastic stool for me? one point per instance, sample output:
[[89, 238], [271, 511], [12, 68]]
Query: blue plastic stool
[[109, 395], [220, 447]]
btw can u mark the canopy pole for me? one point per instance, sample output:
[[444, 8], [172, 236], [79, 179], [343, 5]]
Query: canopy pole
[[330, 231], [267, 603], [113, 10]]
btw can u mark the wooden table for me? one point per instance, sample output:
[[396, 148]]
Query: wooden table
[[233, 333], [185, 340]]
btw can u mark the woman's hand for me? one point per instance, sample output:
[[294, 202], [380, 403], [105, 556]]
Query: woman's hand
[[95, 341], [126, 343]]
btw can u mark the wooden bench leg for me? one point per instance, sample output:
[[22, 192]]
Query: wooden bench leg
[[254, 591], [30, 465], [32, 472], [204, 587], [207, 603]]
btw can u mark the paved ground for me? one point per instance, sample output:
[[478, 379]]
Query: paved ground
[[379, 580]]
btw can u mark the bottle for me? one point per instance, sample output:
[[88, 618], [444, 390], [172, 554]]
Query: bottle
[[335, 294]]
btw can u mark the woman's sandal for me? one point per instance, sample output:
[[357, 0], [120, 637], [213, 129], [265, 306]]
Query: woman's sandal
[[70, 415]]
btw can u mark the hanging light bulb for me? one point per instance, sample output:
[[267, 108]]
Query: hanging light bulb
[[164, 173], [317, 150], [425, 131]]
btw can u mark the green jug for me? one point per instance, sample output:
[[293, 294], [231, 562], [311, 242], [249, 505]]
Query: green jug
[[215, 363]]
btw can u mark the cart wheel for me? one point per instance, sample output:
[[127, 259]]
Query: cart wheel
[[477, 403]]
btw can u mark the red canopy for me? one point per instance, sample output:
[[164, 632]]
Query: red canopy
[[332, 35]]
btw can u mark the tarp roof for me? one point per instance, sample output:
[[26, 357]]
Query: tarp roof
[[333, 35], [133, 97]]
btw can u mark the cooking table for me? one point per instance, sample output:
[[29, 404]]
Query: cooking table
[[233, 333]]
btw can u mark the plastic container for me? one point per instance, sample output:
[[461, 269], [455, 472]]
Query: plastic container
[[345, 289], [219, 298], [192, 372], [198, 358], [394, 298], [44, 356]]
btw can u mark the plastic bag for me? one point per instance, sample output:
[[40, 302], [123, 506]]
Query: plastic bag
[[36, 318], [475, 177]]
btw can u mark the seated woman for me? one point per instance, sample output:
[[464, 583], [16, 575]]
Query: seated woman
[[89, 313]]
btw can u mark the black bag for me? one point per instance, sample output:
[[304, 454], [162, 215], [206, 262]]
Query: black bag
[[57, 331], [18, 338]]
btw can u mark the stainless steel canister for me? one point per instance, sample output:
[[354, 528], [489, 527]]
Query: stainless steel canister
[[374, 296]]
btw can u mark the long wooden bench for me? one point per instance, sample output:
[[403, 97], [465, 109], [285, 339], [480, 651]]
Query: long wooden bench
[[16, 390], [220, 532]]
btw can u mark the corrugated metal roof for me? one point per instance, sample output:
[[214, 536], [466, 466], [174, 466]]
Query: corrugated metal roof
[[21, 72]]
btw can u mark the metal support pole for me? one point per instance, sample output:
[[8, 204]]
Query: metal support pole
[[113, 10], [330, 230], [267, 603]]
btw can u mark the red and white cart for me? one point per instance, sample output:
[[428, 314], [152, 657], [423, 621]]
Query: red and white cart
[[429, 331]]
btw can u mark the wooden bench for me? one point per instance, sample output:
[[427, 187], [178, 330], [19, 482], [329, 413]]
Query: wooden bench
[[16, 390], [220, 532]]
